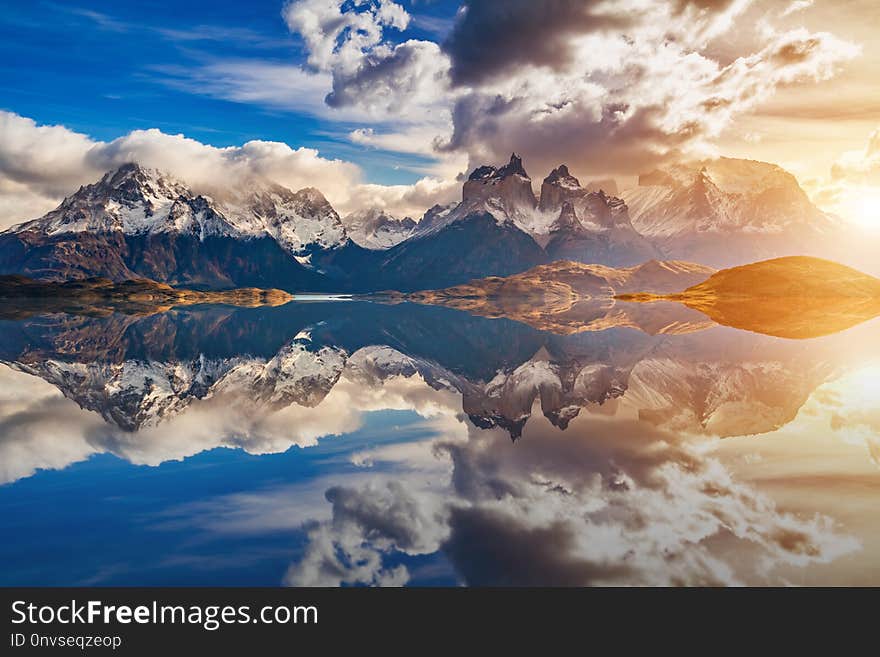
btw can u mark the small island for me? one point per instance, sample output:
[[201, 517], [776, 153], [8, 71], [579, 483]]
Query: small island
[[794, 297], [21, 297]]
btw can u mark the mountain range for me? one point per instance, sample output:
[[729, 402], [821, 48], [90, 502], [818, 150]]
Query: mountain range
[[727, 212], [141, 223], [375, 229]]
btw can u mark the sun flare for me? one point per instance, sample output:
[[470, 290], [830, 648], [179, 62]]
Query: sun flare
[[863, 208]]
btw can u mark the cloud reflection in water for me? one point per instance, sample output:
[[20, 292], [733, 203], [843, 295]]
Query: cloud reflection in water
[[612, 478]]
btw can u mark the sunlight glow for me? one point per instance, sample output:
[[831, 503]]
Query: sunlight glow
[[861, 389], [864, 208]]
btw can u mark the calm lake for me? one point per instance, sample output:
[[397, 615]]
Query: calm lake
[[343, 442]]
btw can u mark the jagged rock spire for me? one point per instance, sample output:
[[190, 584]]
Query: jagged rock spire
[[559, 187], [513, 168], [562, 175], [567, 216], [509, 186]]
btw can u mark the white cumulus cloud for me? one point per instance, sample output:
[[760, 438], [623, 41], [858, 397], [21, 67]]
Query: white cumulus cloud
[[39, 165]]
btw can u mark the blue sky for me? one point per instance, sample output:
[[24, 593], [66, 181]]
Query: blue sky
[[424, 90], [116, 523], [105, 68]]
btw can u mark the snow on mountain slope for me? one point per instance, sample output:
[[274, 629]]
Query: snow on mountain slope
[[378, 363], [589, 226], [134, 393], [721, 195], [374, 229], [573, 206], [505, 193], [564, 387], [297, 374], [133, 200], [728, 211], [139, 393], [297, 221]]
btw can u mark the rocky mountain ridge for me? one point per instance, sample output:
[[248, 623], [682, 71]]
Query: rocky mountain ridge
[[134, 200], [137, 223], [728, 211]]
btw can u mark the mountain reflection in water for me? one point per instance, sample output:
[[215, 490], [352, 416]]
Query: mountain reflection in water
[[437, 447]]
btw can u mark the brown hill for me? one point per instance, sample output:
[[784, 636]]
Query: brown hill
[[793, 297], [569, 297]]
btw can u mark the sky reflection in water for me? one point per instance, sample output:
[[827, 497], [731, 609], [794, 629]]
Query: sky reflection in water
[[359, 443]]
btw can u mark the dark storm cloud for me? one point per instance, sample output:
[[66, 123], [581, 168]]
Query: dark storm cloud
[[488, 127], [392, 515], [614, 133], [403, 74], [598, 504], [490, 548], [494, 36], [712, 5]]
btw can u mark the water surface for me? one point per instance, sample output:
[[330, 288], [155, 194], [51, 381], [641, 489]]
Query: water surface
[[347, 443]]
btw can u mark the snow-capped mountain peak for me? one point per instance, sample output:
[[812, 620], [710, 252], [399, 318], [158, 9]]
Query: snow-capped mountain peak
[[562, 177], [726, 211], [299, 221], [135, 200], [373, 228], [567, 215], [505, 192], [560, 186], [131, 199], [718, 195], [490, 174]]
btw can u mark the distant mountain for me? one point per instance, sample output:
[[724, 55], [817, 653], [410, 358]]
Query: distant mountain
[[132, 200], [505, 193], [507, 189], [569, 222], [727, 211], [138, 222], [501, 228], [375, 229], [141, 223], [591, 227], [478, 237]]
